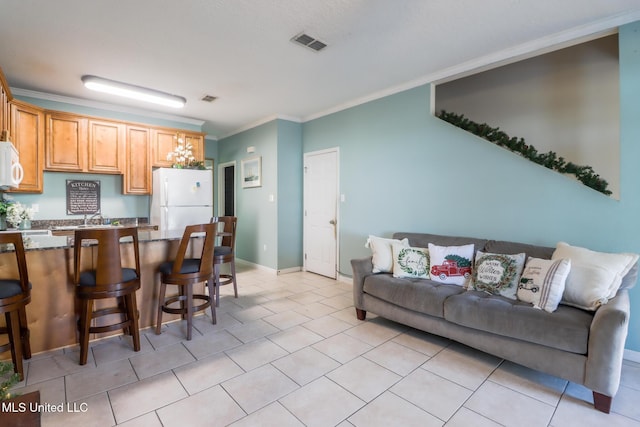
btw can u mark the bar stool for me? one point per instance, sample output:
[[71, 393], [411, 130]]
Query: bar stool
[[107, 277], [225, 253], [15, 294], [185, 272]]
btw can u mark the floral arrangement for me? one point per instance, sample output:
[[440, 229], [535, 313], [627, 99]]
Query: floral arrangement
[[182, 155], [17, 213], [4, 206], [8, 379], [551, 160]]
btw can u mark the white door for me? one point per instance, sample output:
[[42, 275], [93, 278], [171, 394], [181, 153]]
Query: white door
[[321, 212]]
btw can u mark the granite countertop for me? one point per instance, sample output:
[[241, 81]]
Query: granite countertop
[[34, 241]]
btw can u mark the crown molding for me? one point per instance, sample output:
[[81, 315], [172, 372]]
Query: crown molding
[[261, 122], [104, 106]]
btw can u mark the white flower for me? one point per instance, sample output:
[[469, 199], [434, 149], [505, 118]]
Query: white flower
[[17, 212], [182, 155]]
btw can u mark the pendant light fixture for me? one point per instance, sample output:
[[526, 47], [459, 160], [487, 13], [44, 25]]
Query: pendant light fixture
[[134, 92]]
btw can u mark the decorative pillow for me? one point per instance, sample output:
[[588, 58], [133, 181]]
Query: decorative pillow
[[497, 274], [382, 253], [594, 277], [410, 262], [451, 264], [542, 282]]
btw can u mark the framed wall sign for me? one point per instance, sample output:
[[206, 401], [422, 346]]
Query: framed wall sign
[[83, 197], [252, 172]]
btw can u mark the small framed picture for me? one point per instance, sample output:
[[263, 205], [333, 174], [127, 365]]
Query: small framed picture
[[252, 172], [208, 164]]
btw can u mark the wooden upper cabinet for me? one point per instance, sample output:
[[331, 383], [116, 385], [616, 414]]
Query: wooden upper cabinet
[[197, 141], [5, 108], [27, 135], [137, 175], [66, 140], [164, 141], [106, 146]]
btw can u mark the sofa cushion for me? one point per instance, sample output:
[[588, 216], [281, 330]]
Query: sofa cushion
[[421, 295], [565, 329], [542, 282], [410, 262], [595, 276], [497, 274], [504, 247], [382, 256], [451, 264]]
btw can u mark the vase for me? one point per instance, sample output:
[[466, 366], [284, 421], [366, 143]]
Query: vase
[[25, 224], [3, 222]]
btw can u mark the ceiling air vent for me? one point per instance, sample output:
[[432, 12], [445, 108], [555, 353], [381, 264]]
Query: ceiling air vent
[[308, 41], [208, 98]]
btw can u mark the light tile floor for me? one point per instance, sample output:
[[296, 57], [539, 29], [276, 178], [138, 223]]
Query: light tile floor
[[290, 352]]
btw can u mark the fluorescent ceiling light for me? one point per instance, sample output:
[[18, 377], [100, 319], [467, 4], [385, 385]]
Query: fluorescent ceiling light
[[135, 92]]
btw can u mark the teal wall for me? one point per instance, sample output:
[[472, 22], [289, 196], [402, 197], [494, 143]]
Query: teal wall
[[257, 216], [263, 221], [289, 194], [404, 170], [625, 218], [52, 202]]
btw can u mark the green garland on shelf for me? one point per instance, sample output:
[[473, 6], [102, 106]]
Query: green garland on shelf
[[584, 174]]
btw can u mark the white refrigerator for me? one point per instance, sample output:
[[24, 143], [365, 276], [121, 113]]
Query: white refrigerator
[[181, 197]]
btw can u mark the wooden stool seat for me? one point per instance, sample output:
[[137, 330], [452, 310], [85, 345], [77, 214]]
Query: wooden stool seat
[[103, 276], [15, 294], [184, 273]]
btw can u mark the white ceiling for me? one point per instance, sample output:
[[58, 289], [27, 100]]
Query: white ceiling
[[240, 50]]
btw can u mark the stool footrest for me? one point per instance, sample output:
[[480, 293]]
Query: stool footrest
[[177, 298]]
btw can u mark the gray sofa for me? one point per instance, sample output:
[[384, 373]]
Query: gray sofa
[[580, 346]]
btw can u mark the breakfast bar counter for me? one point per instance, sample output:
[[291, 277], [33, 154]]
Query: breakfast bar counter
[[52, 313]]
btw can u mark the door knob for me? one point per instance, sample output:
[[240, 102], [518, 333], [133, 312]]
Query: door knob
[[332, 222]]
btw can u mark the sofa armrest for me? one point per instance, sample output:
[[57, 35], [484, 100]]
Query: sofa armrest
[[607, 338], [361, 268]]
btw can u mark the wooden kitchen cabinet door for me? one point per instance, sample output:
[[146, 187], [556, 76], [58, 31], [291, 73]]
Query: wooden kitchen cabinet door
[[27, 135], [197, 141], [163, 142], [137, 175], [5, 98], [66, 140], [106, 146]]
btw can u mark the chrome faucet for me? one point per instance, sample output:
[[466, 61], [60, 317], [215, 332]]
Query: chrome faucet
[[95, 215]]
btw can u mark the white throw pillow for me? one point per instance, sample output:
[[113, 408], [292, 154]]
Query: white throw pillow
[[543, 281], [451, 264], [410, 262], [497, 274], [594, 277], [382, 252]]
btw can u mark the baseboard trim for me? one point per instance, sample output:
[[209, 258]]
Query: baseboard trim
[[257, 266], [345, 279], [289, 270], [632, 356], [269, 269]]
